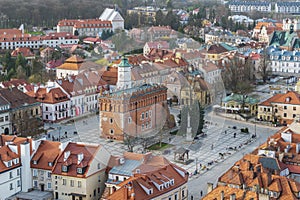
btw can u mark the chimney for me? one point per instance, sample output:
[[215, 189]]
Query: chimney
[[222, 195], [232, 197], [210, 187], [25, 170], [66, 155], [79, 158]]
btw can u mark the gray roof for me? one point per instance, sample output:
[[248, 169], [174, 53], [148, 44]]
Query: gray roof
[[126, 168], [270, 163]]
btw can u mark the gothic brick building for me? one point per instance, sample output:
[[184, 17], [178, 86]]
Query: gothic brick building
[[139, 111]]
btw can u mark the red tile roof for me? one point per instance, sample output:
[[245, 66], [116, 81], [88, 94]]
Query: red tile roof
[[6, 154], [74, 149], [291, 97], [54, 95], [48, 151]]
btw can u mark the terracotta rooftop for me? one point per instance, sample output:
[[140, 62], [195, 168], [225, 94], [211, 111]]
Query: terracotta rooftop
[[46, 154], [14, 83], [139, 182], [69, 158], [16, 98], [24, 51], [54, 95], [291, 97], [6, 154]]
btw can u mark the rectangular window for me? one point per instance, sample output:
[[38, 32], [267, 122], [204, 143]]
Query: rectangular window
[[285, 107], [1, 119], [6, 118], [49, 174], [64, 182], [143, 116], [79, 184], [72, 183], [11, 186], [294, 108], [146, 115], [46, 108], [18, 183], [284, 114], [18, 172], [129, 120]]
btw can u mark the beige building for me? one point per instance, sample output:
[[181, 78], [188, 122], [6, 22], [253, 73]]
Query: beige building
[[282, 108], [79, 173], [42, 163]]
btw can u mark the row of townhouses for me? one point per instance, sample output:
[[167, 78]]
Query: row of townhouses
[[86, 171], [288, 7]]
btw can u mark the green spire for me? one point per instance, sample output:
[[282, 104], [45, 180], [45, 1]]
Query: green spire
[[124, 62]]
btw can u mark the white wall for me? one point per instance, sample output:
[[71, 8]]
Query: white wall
[[6, 181]]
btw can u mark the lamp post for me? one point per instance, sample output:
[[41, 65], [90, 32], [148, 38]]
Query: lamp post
[[59, 128]]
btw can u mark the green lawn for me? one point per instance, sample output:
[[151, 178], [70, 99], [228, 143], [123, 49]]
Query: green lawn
[[160, 148]]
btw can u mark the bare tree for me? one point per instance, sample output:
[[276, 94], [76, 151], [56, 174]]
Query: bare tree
[[263, 68]]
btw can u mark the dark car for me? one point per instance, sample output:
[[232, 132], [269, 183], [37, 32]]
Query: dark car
[[234, 127]]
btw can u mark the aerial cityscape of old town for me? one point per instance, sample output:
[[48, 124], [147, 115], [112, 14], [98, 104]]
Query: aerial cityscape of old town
[[149, 100]]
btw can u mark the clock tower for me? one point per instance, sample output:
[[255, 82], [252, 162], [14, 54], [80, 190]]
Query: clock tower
[[124, 74]]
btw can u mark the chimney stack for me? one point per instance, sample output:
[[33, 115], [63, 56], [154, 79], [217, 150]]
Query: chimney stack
[[232, 197], [210, 187], [222, 195]]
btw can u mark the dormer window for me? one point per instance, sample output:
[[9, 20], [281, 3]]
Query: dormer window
[[172, 182], [35, 162], [79, 170], [50, 164], [64, 168]]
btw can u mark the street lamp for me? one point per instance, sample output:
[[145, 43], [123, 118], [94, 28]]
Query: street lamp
[[59, 128]]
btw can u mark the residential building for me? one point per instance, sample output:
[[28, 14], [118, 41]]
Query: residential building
[[115, 18], [73, 66], [21, 84], [234, 103], [148, 11], [131, 110], [211, 72], [55, 103], [25, 112], [280, 108], [13, 41], [250, 6], [217, 51], [263, 30], [10, 172], [147, 176], [287, 7], [79, 172], [42, 164], [155, 45], [83, 91], [158, 32], [25, 52], [284, 62], [5, 122], [85, 27], [291, 24]]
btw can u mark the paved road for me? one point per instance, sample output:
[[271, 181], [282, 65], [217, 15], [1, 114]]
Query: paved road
[[199, 183]]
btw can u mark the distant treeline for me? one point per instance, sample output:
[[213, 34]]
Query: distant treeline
[[47, 13]]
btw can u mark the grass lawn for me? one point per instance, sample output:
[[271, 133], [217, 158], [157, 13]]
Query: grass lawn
[[157, 146]]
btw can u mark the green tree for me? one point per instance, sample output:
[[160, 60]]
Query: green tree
[[159, 18]]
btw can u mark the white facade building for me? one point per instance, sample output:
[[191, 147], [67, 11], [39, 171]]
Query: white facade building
[[5, 122], [36, 42], [114, 17]]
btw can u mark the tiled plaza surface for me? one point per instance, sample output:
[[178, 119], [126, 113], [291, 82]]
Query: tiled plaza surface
[[205, 150]]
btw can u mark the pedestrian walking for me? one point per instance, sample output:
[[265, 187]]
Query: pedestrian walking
[[201, 193], [192, 197]]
